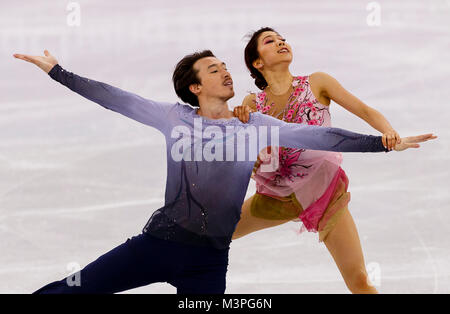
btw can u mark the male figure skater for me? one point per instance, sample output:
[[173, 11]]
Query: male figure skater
[[186, 242]]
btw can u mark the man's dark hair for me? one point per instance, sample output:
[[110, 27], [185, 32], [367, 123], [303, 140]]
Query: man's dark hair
[[251, 54], [185, 75]]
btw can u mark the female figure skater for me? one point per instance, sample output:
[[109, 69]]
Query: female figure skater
[[308, 185]]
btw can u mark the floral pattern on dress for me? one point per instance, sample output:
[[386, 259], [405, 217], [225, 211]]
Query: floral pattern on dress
[[303, 108]]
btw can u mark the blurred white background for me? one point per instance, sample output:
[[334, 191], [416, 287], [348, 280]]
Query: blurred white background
[[77, 180]]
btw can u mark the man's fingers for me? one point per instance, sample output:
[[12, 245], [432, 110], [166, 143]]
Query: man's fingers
[[413, 140], [30, 59], [19, 56], [422, 138], [44, 62], [383, 139], [426, 136], [25, 57]]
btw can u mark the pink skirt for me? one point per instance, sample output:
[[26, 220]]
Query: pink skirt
[[307, 173], [320, 216]]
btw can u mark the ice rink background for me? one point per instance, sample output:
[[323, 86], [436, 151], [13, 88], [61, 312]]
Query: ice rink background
[[77, 180]]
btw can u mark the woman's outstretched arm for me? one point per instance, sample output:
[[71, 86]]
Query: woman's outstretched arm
[[331, 89], [129, 104]]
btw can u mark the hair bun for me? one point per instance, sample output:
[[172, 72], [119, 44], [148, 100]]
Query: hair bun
[[260, 83]]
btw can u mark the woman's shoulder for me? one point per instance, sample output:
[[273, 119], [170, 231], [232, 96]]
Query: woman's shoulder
[[317, 74], [318, 82], [318, 77], [250, 100]]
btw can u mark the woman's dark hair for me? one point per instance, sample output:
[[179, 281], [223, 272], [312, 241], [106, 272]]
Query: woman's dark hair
[[251, 54], [184, 75]]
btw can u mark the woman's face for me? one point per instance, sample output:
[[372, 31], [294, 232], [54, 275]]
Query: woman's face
[[273, 50]]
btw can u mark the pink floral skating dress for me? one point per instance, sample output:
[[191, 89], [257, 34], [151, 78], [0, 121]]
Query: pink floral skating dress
[[308, 185]]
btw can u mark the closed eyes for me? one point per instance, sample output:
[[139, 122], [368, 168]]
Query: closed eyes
[[270, 41], [216, 71]]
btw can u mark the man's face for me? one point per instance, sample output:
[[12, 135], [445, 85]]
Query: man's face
[[215, 80]]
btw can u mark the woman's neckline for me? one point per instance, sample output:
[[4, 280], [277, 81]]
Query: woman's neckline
[[289, 90]]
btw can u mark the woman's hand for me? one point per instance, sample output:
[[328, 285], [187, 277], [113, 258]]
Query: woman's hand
[[411, 141], [46, 62], [243, 113], [390, 139]]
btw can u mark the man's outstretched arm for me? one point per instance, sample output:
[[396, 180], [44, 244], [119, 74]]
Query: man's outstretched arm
[[146, 111], [334, 139]]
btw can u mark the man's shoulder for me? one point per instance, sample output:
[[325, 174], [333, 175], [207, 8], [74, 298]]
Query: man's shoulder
[[181, 108], [258, 118]]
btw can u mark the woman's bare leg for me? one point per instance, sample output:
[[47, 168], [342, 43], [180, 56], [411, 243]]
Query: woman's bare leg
[[250, 223], [342, 242], [345, 247]]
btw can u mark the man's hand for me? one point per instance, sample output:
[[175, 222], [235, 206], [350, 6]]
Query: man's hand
[[46, 62], [243, 113], [412, 141]]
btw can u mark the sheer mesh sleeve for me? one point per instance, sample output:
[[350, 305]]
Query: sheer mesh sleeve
[[322, 138], [146, 111]]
